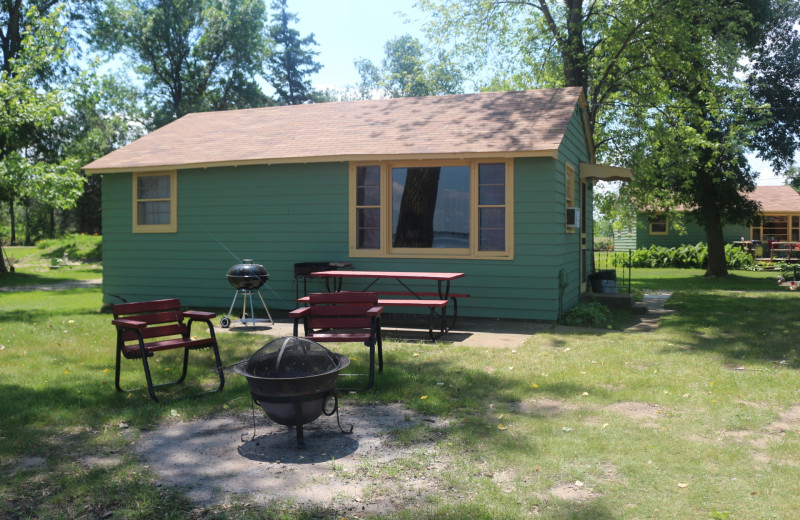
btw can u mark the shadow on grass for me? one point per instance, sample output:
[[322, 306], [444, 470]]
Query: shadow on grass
[[739, 326], [18, 279], [694, 280], [94, 254]]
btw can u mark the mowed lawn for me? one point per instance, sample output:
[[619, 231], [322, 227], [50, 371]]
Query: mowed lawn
[[700, 419]]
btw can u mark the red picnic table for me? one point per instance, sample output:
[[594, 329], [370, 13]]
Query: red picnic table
[[413, 298]]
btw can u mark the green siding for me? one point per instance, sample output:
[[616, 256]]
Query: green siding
[[282, 214], [640, 236], [625, 239]]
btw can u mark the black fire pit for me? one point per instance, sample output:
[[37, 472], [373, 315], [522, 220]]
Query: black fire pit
[[294, 381]]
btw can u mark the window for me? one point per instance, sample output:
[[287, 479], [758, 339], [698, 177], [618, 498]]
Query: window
[[368, 206], [569, 193], [424, 209], [492, 207], [773, 228], [155, 202], [659, 225]]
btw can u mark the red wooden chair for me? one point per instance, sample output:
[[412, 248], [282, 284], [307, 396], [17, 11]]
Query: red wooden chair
[[344, 317], [144, 328]]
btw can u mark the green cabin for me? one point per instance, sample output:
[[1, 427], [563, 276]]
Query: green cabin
[[504, 180], [780, 222]]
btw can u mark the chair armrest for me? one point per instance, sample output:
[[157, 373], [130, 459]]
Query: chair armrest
[[299, 313], [129, 324], [375, 311], [199, 315]]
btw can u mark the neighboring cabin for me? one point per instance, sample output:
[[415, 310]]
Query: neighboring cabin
[[780, 222], [329, 182]]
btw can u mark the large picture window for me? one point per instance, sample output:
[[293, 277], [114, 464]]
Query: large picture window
[[154, 202], [448, 209]]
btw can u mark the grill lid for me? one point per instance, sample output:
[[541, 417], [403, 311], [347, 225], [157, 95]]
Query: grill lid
[[291, 357], [247, 275]]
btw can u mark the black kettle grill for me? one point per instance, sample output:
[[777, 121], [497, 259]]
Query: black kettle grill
[[247, 278]]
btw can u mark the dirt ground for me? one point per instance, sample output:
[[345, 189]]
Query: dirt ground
[[219, 460]]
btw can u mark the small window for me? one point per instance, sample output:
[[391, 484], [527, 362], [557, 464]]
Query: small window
[[659, 225], [368, 207], [155, 203], [569, 194], [492, 207]]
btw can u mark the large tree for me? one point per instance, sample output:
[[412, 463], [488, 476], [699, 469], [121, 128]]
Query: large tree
[[192, 55], [34, 45], [775, 83], [661, 77], [293, 62], [408, 70]]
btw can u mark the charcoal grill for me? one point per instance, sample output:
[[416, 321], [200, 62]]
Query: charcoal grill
[[247, 278], [294, 380]]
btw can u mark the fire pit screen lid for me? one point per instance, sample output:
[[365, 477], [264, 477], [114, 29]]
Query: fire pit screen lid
[[290, 356]]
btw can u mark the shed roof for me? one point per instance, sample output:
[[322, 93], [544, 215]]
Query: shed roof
[[525, 123], [780, 199]]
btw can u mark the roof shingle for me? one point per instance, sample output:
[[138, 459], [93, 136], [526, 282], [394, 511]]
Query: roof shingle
[[776, 198], [516, 123]]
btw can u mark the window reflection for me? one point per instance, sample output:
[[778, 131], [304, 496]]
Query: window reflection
[[430, 207]]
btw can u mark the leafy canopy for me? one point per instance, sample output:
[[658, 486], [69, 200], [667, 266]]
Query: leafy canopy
[[193, 55]]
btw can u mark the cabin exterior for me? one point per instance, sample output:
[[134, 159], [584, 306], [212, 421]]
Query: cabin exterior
[[780, 222], [482, 184]]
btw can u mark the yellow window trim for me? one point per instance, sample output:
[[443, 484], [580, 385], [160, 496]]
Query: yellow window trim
[[666, 228], [172, 227], [569, 193], [387, 251]]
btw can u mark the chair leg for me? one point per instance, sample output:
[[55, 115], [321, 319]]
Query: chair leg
[[371, 366], [185, 366], [380, 349], [117, 372], [149, 379]]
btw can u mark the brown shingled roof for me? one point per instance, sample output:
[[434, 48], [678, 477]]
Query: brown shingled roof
[[494, 123], [779, 199]]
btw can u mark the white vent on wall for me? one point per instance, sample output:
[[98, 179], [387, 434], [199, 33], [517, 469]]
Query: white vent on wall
[[573, 217]]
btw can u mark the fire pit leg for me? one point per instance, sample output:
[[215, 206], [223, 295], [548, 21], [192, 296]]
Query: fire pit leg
[[298, 410]]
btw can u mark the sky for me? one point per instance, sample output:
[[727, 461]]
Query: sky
[[347, 30]]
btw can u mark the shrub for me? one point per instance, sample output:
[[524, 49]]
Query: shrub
[[686, 256], [592, 314]]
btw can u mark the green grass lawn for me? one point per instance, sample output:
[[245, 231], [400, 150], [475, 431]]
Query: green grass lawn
[[700, 419]]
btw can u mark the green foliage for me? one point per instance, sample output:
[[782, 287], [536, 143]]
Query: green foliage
[[292, 61], [79, 248], [775, 84], [593, 314], [30, 107], [684, 257], [664, 81], [193, 55], [408, 70]]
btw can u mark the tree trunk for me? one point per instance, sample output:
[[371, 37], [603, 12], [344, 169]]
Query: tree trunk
[[27, 224], [3, 268], [717, 264], [417, 207], [13, 218]]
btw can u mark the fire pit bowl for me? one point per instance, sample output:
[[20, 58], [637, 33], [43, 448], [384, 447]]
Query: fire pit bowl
[[247, 275], [293, 380]]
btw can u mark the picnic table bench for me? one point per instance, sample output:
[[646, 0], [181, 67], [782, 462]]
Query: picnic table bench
[[435, 301], [144, 328]]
